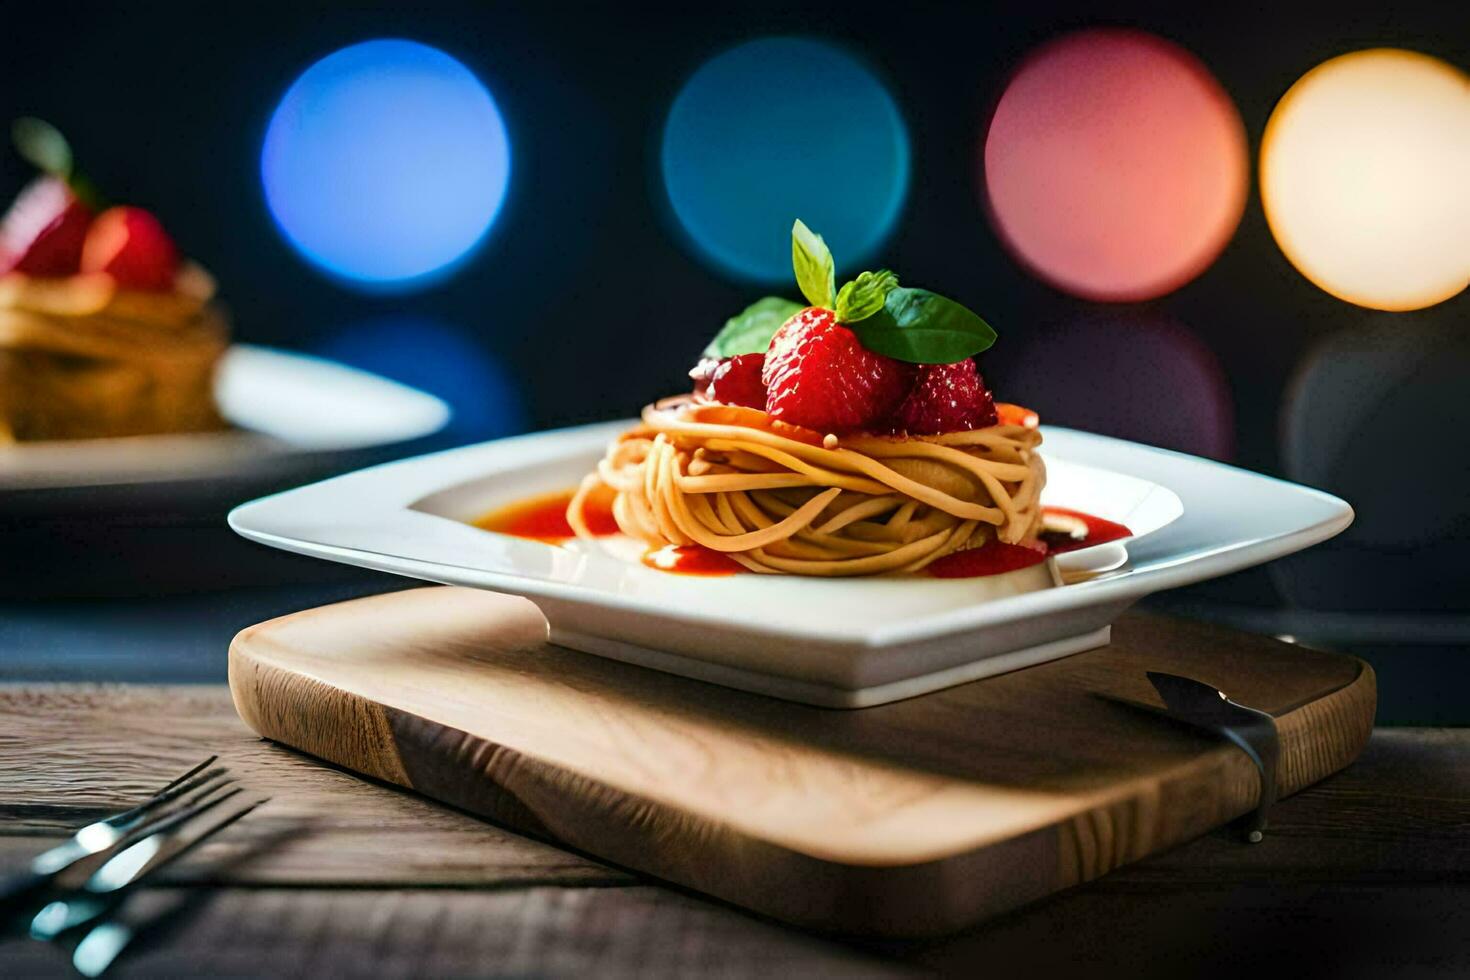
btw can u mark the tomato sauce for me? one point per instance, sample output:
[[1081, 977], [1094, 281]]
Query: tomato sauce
[[691, 559], [996, 557], [991, 558], [544, 518]]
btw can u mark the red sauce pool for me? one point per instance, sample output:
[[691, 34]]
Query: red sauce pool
[[691, 559], [1099, 531], [996, 557], [544, 518], [991, 558]]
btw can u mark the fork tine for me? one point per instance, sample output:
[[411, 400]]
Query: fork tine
[[135, 863], [128, 864], [94, 838], [174, 784], [99, 892], [186, 775], [173, 790], [161, 818], [219, 825], [19, 892], [204, 833]]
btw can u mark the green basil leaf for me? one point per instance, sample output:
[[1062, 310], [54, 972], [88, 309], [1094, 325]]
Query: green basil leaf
[[42, 145], [750, 330], [865, 295], [921, 327], [812, 260]]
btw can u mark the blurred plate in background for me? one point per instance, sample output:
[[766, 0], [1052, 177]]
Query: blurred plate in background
[[146, 515], [284, 406]]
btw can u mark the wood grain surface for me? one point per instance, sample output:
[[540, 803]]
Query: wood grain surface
[[69, 754], [905, 819], [1366, 874]]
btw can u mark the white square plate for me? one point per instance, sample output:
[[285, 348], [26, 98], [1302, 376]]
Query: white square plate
[[833, 642]]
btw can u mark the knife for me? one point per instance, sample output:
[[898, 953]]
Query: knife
[[1198, 705]]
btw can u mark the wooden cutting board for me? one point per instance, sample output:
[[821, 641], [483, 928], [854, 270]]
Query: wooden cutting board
[[911, 818]]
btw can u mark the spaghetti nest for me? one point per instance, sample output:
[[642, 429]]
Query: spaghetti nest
[[781, 499]]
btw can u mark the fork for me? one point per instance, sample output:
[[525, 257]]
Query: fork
[[165, 841], [106, 833], [101, 940]]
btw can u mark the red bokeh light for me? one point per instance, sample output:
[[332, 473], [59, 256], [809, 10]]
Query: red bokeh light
[[1115, 165]]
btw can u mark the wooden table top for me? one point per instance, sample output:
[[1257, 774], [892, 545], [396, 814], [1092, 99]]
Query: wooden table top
[[1364, 873]]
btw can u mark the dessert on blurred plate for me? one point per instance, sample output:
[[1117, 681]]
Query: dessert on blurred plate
[[104, 329]]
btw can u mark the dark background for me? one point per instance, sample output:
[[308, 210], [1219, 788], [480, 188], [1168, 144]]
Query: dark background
[[586, 303]]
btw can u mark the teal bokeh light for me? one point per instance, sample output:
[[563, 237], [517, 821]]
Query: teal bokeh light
[[778, 129], [385, 164]]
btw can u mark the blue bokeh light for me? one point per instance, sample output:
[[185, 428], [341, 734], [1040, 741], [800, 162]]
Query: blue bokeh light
[[778, 129], [437, 357], [385, 164]]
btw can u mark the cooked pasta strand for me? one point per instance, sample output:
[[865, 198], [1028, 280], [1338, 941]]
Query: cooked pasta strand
[[777, 501]]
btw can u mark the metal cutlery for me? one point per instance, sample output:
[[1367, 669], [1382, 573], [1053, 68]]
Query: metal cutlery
[[165, 843], [1200, 706], [121, 851], [17, 891]]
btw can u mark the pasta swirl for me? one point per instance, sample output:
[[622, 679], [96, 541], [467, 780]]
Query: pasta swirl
[[781, 499]]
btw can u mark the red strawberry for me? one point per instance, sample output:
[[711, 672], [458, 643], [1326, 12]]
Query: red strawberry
[[819, 376], [132, 246], [43, 232], [946, 398], [737, 381]]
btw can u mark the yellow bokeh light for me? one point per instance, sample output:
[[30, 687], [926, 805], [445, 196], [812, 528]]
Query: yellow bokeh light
[[1365, 178]]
